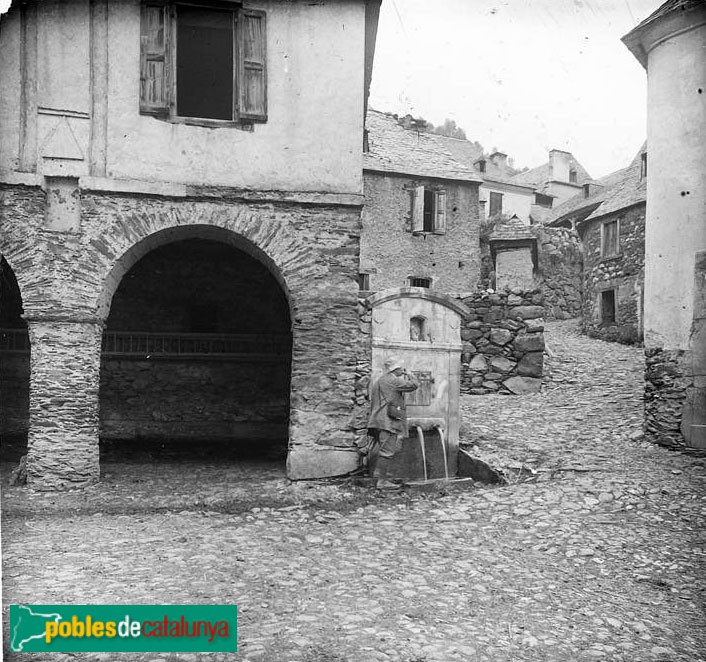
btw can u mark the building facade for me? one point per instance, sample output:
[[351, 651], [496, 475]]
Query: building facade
[[420, 223], [192, 150], [671, 45], [610, 218]]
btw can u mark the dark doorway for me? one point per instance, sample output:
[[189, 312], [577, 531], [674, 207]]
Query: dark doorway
[[14, 367], [196, 356]]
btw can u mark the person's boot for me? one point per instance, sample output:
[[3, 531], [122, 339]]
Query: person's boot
[[381, 474]]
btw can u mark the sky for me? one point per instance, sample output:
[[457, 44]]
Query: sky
[[521, 76]]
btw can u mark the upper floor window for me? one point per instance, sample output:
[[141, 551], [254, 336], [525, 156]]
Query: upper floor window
[[418, 281], [610, 238], [203, 62], [543, 200], [643, 165], [572, 176], [496, 204], [428, 210]]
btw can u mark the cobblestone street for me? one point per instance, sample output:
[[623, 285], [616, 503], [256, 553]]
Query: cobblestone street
[[594, 550]]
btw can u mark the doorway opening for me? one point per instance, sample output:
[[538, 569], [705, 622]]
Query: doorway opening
[[196, 357]]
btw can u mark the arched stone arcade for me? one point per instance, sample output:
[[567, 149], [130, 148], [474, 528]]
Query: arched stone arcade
[[68, 281]]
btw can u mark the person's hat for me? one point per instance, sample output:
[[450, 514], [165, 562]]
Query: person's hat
[[392, 364]]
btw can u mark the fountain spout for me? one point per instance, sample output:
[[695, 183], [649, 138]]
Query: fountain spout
[[420, 436], [442, 440]]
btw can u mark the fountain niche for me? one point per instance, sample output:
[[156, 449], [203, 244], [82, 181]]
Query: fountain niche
[[422, 328]]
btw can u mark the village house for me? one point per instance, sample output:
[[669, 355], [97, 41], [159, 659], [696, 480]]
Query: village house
[[609, 216], [671, 45], [180, 198], [420, 223], [554, 182]]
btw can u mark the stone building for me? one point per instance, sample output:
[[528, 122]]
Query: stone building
[[420, 223], [610, 218], [671, 46], [180, 200], [554, 182]]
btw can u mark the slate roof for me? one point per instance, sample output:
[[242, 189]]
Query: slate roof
[[632, 38], [511, 229], [539, 177], [618, 190], [410, 152], [630, 190]]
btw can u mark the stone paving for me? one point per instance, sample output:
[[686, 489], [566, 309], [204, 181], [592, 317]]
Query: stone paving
[[594, 550]]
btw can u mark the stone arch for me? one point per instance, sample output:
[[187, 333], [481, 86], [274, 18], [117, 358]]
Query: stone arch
[[257, 232]]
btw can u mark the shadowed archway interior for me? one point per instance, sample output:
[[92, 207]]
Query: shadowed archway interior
[[14, 366], [196, 356]]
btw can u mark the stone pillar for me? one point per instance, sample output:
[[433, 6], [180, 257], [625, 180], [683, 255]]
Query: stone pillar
[[63, 403]]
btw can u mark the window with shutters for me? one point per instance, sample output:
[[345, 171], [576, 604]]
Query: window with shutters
[[428, 210], [610, 239], [496, 204], [203, 63]]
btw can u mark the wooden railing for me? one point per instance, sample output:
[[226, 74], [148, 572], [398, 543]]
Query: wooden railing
[[14, 341], [185, 345], [167, 345]]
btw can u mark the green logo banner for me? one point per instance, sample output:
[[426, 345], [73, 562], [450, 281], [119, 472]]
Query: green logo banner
[[123, 628]]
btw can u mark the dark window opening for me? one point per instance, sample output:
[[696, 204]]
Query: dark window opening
[[414, 281], [608, 307], [572, 176], [481, 166], [586, 190], [543, 200], [610, 245], [496, 204], [428, 210], [643, 166], [205, 44], [364, 282]]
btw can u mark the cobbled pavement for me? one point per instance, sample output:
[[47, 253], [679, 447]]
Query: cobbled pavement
[[594, 550]]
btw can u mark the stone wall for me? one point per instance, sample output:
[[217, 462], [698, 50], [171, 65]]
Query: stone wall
[[194, 399], [67, 280], [559, 271], [667, 380], [503, 343], [390, 253], [623, 273]]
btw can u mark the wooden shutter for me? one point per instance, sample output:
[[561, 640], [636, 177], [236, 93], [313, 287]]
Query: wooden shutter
[[417, 209], [252, 65], [155, 77], [440, 212]]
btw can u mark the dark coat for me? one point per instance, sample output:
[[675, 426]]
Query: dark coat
[[390, 389]]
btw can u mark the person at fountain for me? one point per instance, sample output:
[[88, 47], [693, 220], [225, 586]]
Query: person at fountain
[[388, 416]]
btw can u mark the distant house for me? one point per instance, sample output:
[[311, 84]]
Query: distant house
[[561, 178], [610, 218], [420, 221]]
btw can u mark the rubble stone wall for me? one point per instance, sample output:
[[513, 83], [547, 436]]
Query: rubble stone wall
[[667, 381], [71, 275], [559, 271], [503, 343], [390, 253], [623, 273]]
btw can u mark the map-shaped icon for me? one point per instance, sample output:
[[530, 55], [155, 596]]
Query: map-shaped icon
[[28, 625]]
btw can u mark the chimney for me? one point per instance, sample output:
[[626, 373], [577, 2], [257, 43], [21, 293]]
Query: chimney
[[499, 160], [560, 165]]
